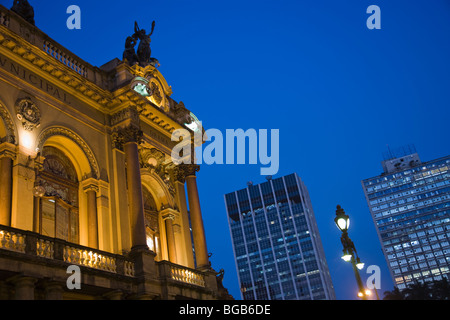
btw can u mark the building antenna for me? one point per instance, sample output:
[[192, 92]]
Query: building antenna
[[390, 152]]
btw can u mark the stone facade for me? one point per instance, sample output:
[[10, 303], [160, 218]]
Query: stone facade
[[86, 179]]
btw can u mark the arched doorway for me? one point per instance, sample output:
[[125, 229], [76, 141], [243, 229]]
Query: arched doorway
[[72, 163], [58, 211], [151, 223]]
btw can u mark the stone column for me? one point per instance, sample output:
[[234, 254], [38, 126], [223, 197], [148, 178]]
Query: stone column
[[54, 291], [138, 236], [24, 288], [36, 214], [24, 178], [91, 189], [185, 226], [4, 291], [158, 253], [198, 231], [121, 200], [114, 295], [129, 138], [168, 218], [38, 192], [7, 155]]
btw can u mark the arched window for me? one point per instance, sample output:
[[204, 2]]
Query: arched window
[[58, 208], [151, 221]]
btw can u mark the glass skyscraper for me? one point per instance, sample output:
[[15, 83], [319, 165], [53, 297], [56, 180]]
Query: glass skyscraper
[[276, 243], [410, 206]]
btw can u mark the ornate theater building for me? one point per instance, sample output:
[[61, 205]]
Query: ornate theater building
[[87, 179]]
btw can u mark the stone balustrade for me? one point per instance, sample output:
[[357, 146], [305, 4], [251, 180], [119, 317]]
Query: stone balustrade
[[67, 59], [12, 241], [50, 248], [90, 258], [41, 40], [186, 275], [56, 253], [44, 248], [129, 268]]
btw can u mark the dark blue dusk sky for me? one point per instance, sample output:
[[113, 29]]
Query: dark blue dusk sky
[[338, 92]]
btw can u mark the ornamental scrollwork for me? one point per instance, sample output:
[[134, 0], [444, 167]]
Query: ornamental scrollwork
[[121, 136], [181, 113], [127, 114], [60, 131], [156, 93], [181, 171], [9, 124], [28, 114]]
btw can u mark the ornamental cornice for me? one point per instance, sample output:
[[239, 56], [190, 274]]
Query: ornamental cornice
[[148, 111], [59, 68], [149, 72], [8, 150], [92, 94], [128, 115], [91, 85]]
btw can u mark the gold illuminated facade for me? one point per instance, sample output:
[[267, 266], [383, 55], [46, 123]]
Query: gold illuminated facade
[[86, 179]]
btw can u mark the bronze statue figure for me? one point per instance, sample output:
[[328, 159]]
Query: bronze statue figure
[[143, 56], [130, 54], [24, 9], [144, 52]]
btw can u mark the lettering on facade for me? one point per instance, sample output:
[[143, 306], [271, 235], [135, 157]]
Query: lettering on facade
[[160, 138], [34, 80]]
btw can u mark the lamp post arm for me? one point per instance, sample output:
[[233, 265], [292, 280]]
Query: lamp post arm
[[349, 246], [358, 278]]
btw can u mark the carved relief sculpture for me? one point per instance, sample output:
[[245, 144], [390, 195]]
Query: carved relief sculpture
[[28, 113], [121, 136]]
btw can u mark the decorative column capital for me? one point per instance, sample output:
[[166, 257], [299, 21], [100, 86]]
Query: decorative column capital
[[178, 174], [124, 135], [185, 170], [90, 184], [126, 127], [8, 150], [39, 162], [169, 214]]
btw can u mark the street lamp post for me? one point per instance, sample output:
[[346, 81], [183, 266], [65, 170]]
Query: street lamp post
[[350, 255]]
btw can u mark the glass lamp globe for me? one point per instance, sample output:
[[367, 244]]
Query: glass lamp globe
[[359, 264], [342, 220]]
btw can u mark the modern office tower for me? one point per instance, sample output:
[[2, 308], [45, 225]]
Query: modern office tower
[[410, 206], [276, 243]]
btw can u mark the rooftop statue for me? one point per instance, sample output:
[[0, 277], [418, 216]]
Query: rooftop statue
[[144, 52], [24, 9], [130, 54], [143, 56]]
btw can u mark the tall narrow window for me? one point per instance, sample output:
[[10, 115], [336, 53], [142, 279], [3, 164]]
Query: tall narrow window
[[58, 208], [151, 221]]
